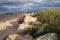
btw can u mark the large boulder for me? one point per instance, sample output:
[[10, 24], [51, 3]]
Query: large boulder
[[49, 36], [29, 19], [40, 31], [24, 26], [19, 37]]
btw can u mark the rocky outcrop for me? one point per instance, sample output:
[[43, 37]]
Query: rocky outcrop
[[40, 31], [19, 37], [49, 36], [28, 22], [7, 24], [18, 27], [7, 28], [24, 26], [29, 19]]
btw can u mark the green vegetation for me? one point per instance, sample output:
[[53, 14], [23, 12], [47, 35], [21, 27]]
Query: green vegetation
[[32, 30], [50, 29], [51, 17]]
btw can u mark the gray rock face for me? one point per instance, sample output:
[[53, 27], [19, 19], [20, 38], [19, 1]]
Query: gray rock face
[[7, 28], [19, 37], [49, 36], [40, 30]]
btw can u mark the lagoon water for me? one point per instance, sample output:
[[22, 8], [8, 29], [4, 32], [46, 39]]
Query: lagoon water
[[8, 6]]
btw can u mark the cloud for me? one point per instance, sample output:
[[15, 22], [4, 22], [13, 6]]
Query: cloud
[[28, 5], [21, 1], [38, 1]]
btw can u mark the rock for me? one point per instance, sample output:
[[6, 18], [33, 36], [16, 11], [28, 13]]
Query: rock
[[24, 26], [19, 37], [29, 19], [13, 36], [40, 31], [42, 27], [35, 23], [28, 37], [7, 24], [7, 28], [21, 20], [49, 36]]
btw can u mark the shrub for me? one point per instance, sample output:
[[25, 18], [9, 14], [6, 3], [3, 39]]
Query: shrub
[[58, 31], [49, 29], [32, 30]]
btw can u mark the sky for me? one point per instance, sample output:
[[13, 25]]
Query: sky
[[8, 6]]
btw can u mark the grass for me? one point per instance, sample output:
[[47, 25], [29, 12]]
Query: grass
[[32, 30], [51, 17], [48, 15]]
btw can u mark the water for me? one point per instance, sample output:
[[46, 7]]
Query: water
[[27, 6]]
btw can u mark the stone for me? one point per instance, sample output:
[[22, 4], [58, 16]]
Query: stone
[[19, 37], [29, 19], [12, 36], [7, 28], [21, 20], [40, 31], [27, 36], [35, 23], [24, 26], [48, 36], [8, 24]]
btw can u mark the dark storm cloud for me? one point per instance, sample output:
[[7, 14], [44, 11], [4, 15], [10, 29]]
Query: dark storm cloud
[[28, 5]]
